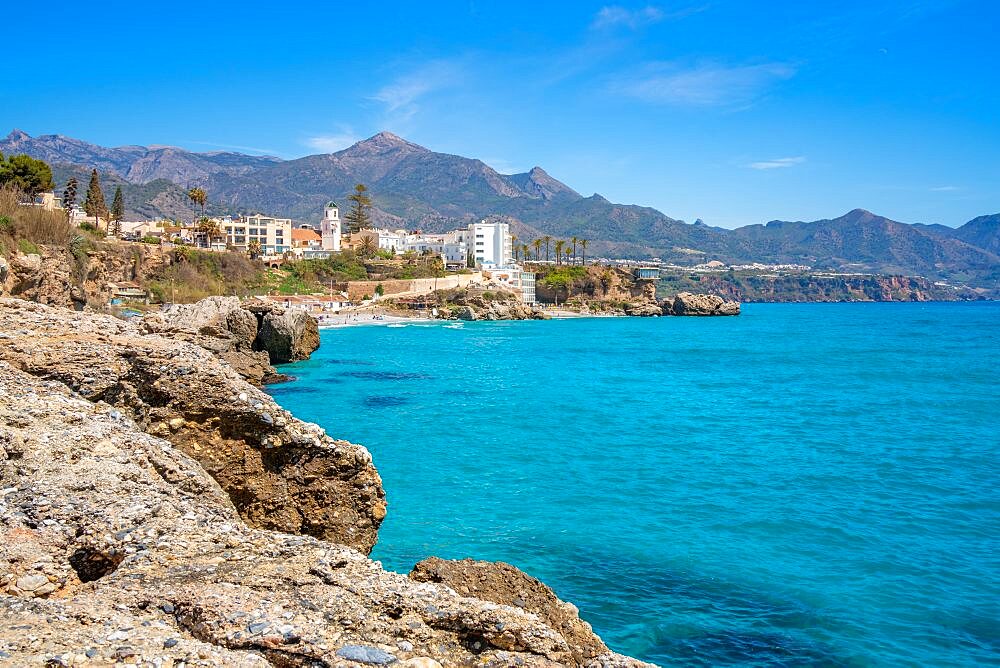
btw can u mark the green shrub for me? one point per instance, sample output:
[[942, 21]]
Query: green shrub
[[6, 227], [150, 240], [27, 247]]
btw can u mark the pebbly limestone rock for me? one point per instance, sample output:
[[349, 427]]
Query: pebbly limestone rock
[[117, 547], [287, 335], [221, 325], [507, 585], [686, 303], [279, 473]]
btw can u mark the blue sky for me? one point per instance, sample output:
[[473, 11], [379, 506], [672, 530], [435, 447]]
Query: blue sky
[[735, 112]]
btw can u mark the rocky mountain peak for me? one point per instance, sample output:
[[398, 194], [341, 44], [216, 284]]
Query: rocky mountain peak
[[384, 141], [539, 183], [855, 214], [17, 136]]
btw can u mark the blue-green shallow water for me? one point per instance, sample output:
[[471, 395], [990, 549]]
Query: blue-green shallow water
[[804, 485]]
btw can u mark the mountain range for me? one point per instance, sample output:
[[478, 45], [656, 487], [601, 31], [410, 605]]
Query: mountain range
[[415, 187]]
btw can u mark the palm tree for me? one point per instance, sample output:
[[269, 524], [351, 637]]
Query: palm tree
[[208, 228], [524, 250], [583, 244], [253, 249], [559, 249], [547, 239], [575, 242], [537, 243], [198, 196], [367, 247]]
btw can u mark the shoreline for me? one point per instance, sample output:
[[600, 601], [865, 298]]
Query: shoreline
[[199, 475], [362, 319]]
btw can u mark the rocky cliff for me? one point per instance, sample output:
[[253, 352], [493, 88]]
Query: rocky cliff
[[249, 336], [156, 509], [279, 473], [56, 276]]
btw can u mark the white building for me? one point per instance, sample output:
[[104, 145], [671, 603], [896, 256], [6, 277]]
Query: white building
[[488, 243], [274, 234], [329, 227], [491, 244], [515, 279]]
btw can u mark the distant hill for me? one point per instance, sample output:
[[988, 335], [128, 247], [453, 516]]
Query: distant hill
[[983, 232], [863, 241], [415, 187]]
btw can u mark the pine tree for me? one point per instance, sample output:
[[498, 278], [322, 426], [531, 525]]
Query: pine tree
[[94, 203], [359, 217], [69, 197], [27, 174], [117, 212]]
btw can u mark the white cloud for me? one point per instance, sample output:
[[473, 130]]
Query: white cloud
[[504, 166], [402, 96], [777, 163], [614, 15], [704, 84], [330, 143], [945, 189], [235, 147]]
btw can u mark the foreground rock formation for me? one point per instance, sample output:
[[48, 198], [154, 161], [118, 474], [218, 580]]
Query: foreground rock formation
[[117, 546], [279, 472], [502, 583], [248, 336]]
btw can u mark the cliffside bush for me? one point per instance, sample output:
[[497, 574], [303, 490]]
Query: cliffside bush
[[194, 274], [30, 223], [27, 247]]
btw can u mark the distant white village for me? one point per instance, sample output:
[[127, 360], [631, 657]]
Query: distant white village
[[486, 246]]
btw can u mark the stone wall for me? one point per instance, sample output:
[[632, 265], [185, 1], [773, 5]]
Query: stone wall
[[360, 289]]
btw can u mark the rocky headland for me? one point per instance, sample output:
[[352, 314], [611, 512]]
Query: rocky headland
[[486, 301], [597, 289], [158, 509]]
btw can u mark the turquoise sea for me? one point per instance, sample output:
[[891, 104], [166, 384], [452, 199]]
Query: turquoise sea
[[804, 485]]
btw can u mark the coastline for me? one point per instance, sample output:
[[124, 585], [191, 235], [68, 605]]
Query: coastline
[[386, 319], [199, 527]]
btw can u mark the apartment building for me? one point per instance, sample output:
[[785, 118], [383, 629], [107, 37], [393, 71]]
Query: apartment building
[[274, 234]]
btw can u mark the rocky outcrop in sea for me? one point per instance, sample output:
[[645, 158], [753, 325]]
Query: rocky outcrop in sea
[[249, 336], [487, 301], [157, 509], [686, 303]]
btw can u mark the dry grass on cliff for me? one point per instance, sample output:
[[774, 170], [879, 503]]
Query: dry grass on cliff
[[22, 227], [193, 275]]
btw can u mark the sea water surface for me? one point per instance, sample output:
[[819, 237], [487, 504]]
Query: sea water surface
[[804, 485]]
